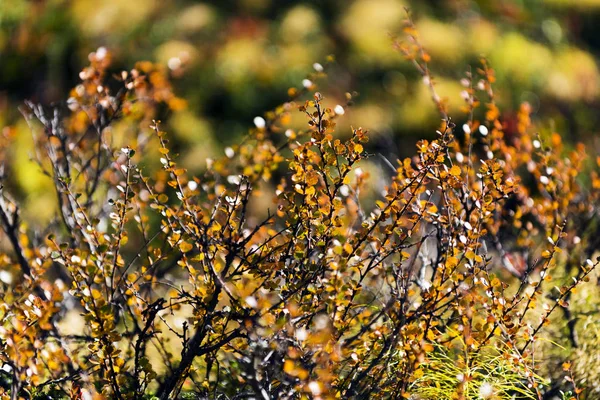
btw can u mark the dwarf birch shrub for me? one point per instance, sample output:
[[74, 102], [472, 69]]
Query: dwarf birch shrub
[[443, 289]]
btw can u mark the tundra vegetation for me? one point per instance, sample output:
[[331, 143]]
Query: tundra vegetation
[[280, 273]]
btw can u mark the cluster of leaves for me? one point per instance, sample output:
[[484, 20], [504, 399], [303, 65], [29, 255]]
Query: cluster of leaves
[[185, 289]]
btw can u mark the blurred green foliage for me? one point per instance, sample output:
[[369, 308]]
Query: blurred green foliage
[[234, 59]]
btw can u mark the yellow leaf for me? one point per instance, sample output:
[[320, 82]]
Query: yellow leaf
[[546, 254], [185, 247], [427, 347], [430, 335], [312, 178], [216, 227], [455, 170], [451, 262], [288, 366], [348, 248]]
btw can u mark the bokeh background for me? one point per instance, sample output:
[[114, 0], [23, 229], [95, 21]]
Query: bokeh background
[[234, 59]]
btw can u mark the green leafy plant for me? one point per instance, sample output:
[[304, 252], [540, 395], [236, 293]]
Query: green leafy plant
[[487, 373]]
